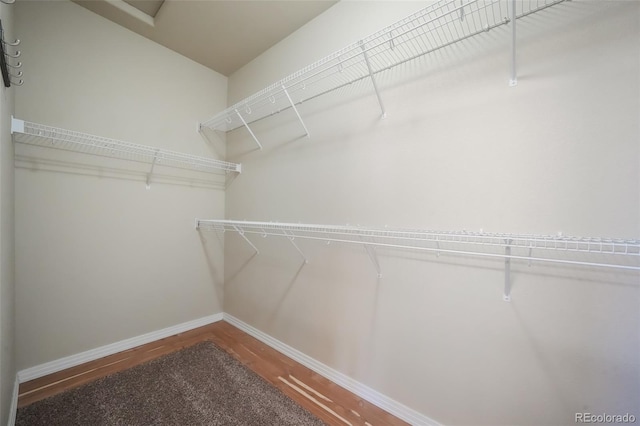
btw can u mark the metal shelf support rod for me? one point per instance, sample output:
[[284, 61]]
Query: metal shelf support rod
[[514, 77], [373, 78], [291, 237], [153, 164], [249, 129], [296, 111], [241, 232]]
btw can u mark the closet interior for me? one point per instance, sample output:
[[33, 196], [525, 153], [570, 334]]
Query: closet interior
[[367, 215]]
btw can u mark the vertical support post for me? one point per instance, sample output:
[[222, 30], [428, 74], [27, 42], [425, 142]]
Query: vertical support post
[[249, 129], [296, 111], [153, 164], [514, 77], [241, 232], [373, 79], [507, 272]]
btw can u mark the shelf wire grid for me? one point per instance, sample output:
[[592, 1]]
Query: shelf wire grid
[[533, 247], [437, 26], [52, 137]]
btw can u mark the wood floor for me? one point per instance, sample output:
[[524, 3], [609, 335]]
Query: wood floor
[[328, 401]]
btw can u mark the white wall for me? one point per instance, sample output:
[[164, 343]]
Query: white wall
[[460, 149], [99, 258], [7, 273]]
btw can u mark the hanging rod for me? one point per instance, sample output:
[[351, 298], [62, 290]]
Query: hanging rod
[[439, 25], [52, 137], [583, 251]]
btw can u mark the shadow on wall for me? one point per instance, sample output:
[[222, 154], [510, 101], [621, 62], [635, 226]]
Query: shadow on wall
[[278, 304], [541, 356], [230, 278], [215, 140], [217, 278]]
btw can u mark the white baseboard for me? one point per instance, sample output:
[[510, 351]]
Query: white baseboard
[[13, 409], [397, 409], [123, 345]]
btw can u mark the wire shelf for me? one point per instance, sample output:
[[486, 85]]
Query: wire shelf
[[609, 252], [439, 25], [52, 137]]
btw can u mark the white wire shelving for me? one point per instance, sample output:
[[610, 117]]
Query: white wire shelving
[[53, 137], [612, 253], [437, 26]]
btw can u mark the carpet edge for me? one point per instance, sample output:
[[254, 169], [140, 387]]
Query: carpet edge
[[192, 365]]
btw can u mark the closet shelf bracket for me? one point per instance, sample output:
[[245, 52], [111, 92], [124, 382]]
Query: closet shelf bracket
[[373, 78], [293, 105], [255, 139], [240, 232], [291, 237]]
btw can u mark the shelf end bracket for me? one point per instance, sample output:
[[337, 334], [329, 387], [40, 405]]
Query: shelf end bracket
[[17, 126]]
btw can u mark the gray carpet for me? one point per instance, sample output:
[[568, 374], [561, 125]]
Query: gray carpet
[[199, 385]]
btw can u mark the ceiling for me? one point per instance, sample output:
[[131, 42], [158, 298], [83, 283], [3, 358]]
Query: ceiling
[[223, 35]]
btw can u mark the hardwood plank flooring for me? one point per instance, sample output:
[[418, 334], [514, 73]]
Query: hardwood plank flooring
[[328, 401]]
